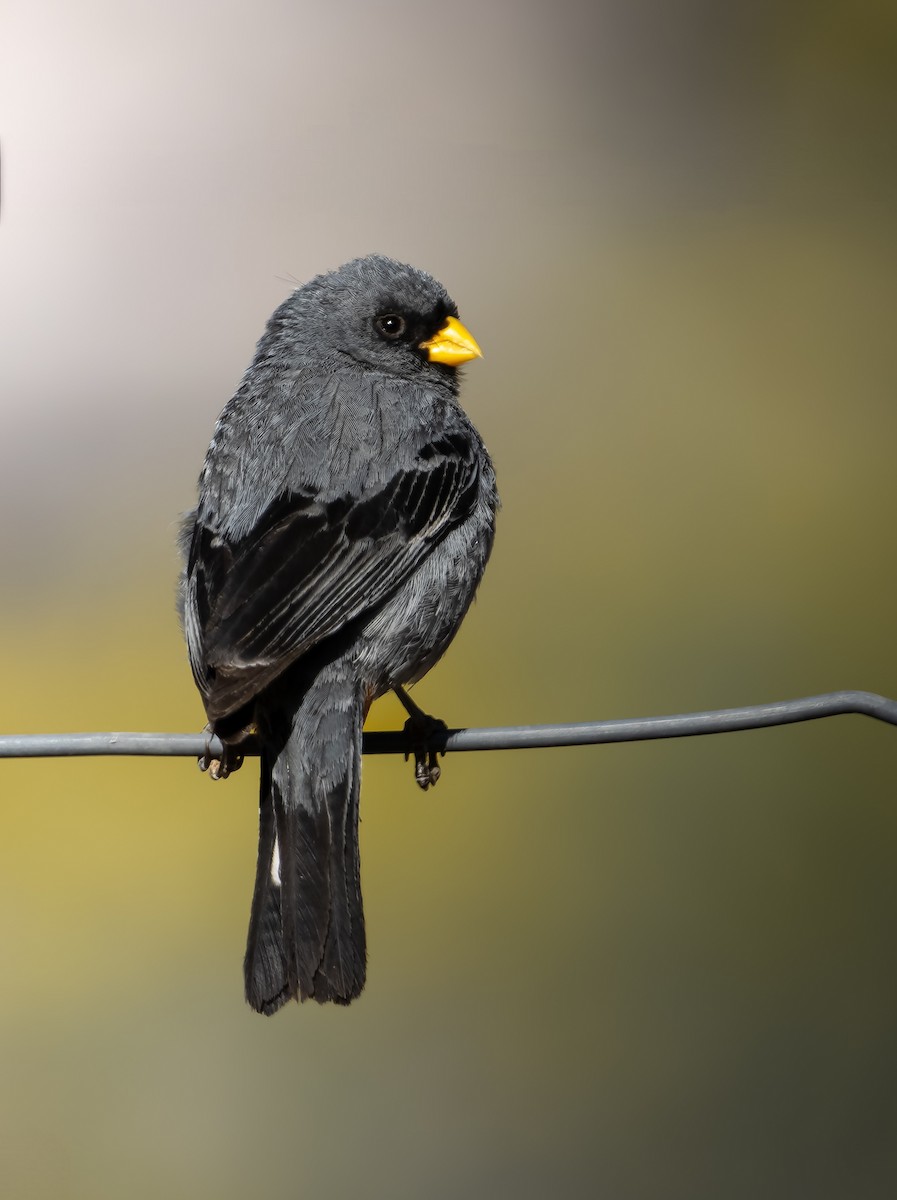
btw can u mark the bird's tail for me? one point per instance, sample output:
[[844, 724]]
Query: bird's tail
[[306, 931]]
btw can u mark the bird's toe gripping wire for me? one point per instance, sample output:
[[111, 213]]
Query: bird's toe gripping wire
[[421, 730], [221, 765]]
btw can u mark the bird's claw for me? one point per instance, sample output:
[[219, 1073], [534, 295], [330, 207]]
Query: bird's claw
[[420, 730], [221, 766]]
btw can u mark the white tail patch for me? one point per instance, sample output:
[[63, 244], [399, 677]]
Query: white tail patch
[[275, 864]]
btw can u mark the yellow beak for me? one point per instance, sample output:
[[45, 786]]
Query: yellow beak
[[452, 345]]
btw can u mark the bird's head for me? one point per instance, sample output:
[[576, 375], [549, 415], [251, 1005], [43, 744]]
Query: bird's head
[[381, 314]]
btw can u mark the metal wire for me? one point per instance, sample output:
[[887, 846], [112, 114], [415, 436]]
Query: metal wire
[[517, 737]]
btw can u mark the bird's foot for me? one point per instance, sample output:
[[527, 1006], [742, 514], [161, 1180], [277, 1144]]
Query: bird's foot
[[224, 764], [420, 729], [426, 765]]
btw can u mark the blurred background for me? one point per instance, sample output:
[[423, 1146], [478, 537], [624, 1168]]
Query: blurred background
[[658, 970]]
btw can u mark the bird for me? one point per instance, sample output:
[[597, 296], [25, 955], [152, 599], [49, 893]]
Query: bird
[[346, 512]]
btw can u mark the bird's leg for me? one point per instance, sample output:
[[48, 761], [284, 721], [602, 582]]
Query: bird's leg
[[420, 727], [219, 768]]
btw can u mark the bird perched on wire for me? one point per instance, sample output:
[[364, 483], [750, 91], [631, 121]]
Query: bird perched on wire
[[346, 513]]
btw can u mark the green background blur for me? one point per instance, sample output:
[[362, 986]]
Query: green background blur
[[659, 970]]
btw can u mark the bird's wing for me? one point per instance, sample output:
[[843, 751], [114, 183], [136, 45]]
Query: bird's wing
[[309, 567]]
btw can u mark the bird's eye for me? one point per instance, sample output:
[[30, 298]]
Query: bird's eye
[[390, 325]]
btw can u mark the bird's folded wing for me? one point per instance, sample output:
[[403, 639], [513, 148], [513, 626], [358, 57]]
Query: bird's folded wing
[[309, 567]]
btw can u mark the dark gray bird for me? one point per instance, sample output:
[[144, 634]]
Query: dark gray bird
[[346, 512]]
